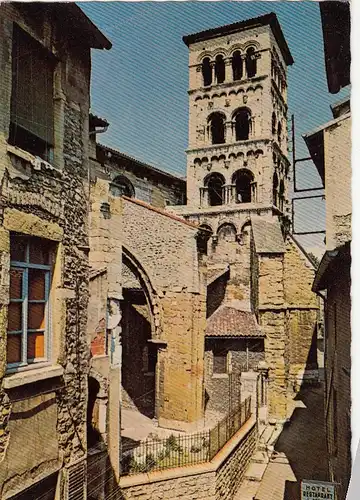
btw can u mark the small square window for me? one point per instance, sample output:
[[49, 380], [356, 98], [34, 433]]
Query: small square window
[[28, 338], [220, 355]]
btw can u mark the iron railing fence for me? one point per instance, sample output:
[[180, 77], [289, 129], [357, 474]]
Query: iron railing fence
[[185, 449], [225, 429]]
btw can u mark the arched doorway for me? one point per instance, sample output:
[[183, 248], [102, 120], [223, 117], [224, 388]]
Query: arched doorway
[[139, 353]]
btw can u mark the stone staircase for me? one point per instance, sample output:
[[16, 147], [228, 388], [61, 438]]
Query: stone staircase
[[268, 435]]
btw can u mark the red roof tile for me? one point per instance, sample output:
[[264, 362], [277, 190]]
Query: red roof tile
[[231, 322]]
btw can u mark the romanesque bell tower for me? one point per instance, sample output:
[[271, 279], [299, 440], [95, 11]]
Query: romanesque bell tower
[[237, 154], [238, 176]]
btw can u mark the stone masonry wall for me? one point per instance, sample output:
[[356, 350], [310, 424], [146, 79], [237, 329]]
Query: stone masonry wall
[[51, 203], [181, 397], [232, 470], [337, 146], [155, 238], [216, 480], [200, 486], [167, 250], [302, 314], [272, 321]]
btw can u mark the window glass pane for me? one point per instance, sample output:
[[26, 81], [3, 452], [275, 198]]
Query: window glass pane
[[35, 345], [32, 94], [13, 348], [18, 248], [219, 364], [36, 316], [36, 284], [16, 280], [38, 252], [15, 316]]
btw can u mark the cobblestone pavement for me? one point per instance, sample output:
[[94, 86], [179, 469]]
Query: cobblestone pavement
[[300, 452]]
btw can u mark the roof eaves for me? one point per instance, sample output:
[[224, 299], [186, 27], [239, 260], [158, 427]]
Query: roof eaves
[[80, 21], [140, 163], [267, 19], [320, 281]]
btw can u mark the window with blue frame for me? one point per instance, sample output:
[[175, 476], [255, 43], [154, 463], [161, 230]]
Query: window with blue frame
[[28, 334]]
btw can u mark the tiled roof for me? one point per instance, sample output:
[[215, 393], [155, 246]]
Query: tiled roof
[[229, 321]]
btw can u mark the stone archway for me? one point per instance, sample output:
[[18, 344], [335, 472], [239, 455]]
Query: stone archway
[[96, 408], [141, 329]]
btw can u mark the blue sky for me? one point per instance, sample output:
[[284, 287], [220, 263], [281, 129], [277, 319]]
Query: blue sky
[[140, 85]]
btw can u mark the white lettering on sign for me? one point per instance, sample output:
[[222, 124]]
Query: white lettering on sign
[[316, 490]]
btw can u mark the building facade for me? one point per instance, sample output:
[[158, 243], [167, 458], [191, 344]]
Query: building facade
[[330, 148], [238, 188], [54, 394], [134, 178]]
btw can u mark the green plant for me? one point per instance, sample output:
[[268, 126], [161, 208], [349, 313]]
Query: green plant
[[172, 444], [150, 463]]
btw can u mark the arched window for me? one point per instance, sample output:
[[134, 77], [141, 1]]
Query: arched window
[[242, 124], [281, 195], [243, 180], [250, 62], [273, 123], [121, 186], [237, 65], [207, 72], [219, 69], [275, 189], [279, 131], [203, 238], [214, 183], [227, 232], [217, 128]]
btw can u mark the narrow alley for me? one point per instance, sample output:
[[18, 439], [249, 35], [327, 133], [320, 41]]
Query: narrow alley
[[299, 453]]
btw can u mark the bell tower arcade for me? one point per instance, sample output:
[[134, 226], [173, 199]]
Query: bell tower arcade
[[237, 151]]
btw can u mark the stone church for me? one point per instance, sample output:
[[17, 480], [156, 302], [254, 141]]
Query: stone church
[[261, 312]]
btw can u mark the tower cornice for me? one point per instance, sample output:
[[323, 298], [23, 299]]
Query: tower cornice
[[227, 85], [266, 20], [229, 147]]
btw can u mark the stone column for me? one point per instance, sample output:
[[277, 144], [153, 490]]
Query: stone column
[[228, 132], [199, 76], [213, 74], [228, 69]]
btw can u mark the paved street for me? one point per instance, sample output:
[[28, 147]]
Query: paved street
[[299, 453]]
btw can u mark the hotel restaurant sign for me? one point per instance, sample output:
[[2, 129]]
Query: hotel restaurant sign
[[317, 490]]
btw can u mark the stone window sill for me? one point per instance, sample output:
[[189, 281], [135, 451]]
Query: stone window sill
[[31, 376], [220, 375], [35, 161], [149, 374]]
